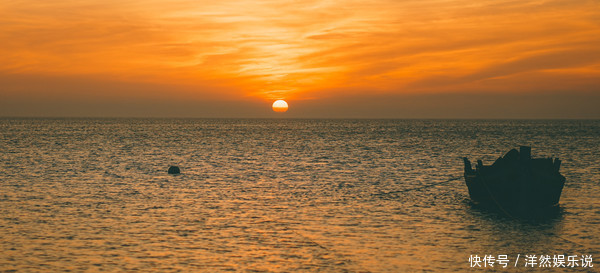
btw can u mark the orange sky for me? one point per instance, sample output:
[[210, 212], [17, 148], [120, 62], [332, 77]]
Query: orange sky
[[253, 52]]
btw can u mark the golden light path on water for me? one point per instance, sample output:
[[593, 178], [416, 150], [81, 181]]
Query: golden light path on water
[[276, 195]]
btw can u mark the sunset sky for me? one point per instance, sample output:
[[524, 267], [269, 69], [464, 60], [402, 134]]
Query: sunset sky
[[328, 58]]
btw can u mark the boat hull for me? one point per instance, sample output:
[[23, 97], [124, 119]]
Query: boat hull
[[516, 184]]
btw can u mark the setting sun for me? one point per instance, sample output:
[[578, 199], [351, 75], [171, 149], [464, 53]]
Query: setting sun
[[280, 106], [346, 59]]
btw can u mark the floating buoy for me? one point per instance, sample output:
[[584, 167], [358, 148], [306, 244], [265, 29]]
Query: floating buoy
[[174, 170]]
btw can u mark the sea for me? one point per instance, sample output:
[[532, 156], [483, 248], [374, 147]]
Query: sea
[[284, 195]]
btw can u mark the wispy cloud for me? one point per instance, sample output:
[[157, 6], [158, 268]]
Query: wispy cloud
[[308, 49]]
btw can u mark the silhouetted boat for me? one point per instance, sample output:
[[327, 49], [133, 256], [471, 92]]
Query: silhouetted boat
[[516, 184]]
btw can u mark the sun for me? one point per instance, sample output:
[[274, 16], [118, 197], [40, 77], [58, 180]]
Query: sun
[[280, 106]]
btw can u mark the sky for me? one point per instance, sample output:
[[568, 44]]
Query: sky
[[326, 58]]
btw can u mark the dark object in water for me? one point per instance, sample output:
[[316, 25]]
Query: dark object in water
[[174, 170], [516, 184]]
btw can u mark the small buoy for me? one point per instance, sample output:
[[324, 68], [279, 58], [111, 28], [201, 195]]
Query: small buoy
[[174, 170]]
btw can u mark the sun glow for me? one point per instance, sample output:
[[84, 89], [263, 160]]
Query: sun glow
[[280, 106], [314, 52]]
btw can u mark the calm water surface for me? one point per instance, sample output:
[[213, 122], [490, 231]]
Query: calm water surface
[[278, 195]]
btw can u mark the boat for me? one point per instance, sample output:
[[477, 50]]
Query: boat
[[516, 184]]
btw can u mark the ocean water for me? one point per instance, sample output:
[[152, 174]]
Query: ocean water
[[280, 195]]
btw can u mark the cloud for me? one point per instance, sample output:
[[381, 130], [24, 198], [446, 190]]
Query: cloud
[[304, 50]]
